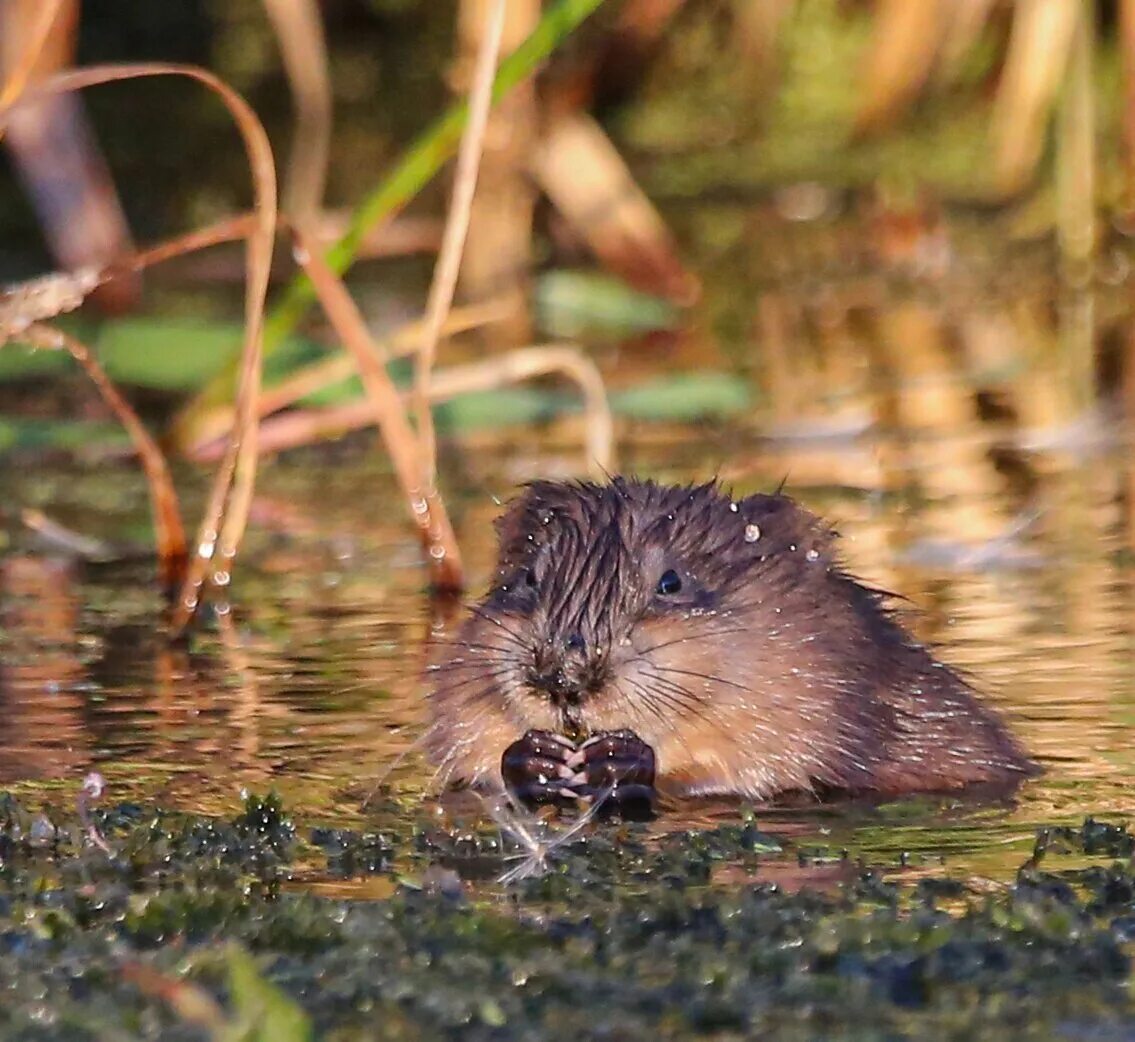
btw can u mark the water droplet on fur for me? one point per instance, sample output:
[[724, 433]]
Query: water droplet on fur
[[813, 555], [752, 533]]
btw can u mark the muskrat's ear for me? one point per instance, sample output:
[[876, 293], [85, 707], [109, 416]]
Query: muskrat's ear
[[783, 525], [512, 524], [521, 518]]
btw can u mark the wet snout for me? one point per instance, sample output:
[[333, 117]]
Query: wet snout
[[566, 669]]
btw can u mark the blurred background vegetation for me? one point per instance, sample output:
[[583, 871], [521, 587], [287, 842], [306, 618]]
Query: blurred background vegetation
[[727, 202]]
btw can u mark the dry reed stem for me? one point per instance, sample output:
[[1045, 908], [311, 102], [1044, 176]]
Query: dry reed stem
[[1127, 57], [56, 155], [168, 530], [456, 227], [405, 340], [226, 512], [529, 362], [590, 184], [1076, 154], [1034, 68], [16, 83], [304, 426], [905, 41], [227, 230], [966, 22], [299, 30], [385, 403], [497, 260]]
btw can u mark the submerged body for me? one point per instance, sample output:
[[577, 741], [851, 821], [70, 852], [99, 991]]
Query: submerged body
[[723, 633]]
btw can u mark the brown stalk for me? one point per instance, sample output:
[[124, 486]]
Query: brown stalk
[[168, 530], [28, 57], [1039, 48], [906, 37], [1127, 56], [402, 443], [227, 230], [497, 259], [302, 427], [527, 363], [456, 227], [226, 511], [590, 184], [56, 154], [1076, 154], [303, 46], [967, 20], [403, 341]]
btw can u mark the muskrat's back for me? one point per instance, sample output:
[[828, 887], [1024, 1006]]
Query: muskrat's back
[[724, 633]]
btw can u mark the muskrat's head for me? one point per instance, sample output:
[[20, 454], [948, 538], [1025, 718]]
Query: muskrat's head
[[622, 605]]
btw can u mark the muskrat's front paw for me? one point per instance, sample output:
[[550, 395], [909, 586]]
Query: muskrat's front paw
[[535, 768], [618, 765]]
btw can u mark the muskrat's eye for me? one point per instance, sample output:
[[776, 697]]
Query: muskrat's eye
[[670, 583], [530, 578]]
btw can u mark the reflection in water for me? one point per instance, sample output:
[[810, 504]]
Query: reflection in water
[[42, 726], [955, 436]]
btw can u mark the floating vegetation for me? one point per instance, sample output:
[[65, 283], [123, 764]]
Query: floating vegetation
[[196, 923]]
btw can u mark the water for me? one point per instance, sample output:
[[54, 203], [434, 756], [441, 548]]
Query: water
[[961, 439]]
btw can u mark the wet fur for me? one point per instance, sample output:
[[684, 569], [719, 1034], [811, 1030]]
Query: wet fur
[[772, 670]]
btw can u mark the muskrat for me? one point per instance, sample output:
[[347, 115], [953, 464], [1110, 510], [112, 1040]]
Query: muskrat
[[716, 641]]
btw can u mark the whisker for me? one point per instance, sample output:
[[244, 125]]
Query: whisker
[[497, 621], [697, 635], [700, 676], [471, 645], [451, 688]]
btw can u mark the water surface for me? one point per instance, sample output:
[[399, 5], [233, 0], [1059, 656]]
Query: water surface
[[967, 441]]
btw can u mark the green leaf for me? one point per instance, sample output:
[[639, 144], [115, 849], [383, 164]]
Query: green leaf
[[21, 360], [684, 396], [677, 397], [178, 355], [263, 1012], [25, 433], [579, 303], [164, 354]]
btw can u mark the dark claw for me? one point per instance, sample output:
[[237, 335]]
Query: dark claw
[[535, 768], [620, 764]]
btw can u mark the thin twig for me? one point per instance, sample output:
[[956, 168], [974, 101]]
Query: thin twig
[[302, 427], [402, 443], [529, 362], [168, 530], [404, 340], [456, 227], [226, 512], [303, 45]]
